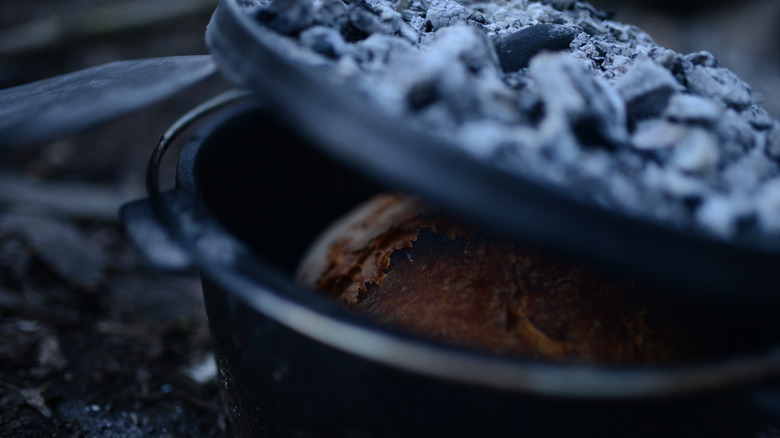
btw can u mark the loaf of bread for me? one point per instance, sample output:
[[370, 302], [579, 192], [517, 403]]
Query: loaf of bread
[[404, 264]]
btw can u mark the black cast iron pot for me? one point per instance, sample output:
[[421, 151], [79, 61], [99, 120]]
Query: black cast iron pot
[[251, 195]]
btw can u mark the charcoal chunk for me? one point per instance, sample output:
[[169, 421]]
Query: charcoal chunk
[[703, 58], [736, 133], [287, 17], [324, 40], [749, 172], [587, 104], [477, 17], [516, 50], [331, 13], [646, 88], [676, 63], [378, 50], [591, 26], [421, 95], [461, 72], [365, 21], [720, 84], [758, 117], [688, 108], [443, 13]]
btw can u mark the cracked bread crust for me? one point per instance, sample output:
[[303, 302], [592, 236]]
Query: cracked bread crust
[[401, 263]]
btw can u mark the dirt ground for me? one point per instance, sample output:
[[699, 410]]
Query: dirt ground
[[92, 341]]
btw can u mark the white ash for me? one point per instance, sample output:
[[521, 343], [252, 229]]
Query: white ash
[[691, 109], [597, 109], [443, 13]]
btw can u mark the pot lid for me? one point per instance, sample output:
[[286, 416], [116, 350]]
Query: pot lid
[[62, 105], [687, 257]]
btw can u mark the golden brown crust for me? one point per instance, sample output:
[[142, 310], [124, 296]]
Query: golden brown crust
[[400, 263], [355, 251]]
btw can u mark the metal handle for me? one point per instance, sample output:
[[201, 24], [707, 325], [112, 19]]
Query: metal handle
[[144, 220], [192, 116]]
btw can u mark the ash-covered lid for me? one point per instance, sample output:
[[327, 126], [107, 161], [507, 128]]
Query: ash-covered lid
[[558, 91], [555, 92]]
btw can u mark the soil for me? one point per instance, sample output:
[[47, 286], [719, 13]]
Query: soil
[[92, 341]]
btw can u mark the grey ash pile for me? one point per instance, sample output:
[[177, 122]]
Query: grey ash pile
[[557, 91]]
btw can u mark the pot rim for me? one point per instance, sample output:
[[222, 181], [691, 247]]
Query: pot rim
[[234, 267]]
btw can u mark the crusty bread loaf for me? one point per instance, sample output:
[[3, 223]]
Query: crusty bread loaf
[[402, 263]]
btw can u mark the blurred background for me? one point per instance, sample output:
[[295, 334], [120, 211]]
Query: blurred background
[[104, 346], [743, 35]]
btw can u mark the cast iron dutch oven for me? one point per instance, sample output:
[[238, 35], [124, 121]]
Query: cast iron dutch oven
[[257, 183], [250, 196]]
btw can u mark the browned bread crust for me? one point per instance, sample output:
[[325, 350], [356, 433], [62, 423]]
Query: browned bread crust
[[401, 263]]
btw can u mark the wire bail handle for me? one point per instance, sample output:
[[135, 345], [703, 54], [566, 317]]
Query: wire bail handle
[[194, 115]]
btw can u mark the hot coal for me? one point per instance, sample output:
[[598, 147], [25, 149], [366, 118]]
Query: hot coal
[[516, 50], [559, 92], [646, 89], [287, 17]]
